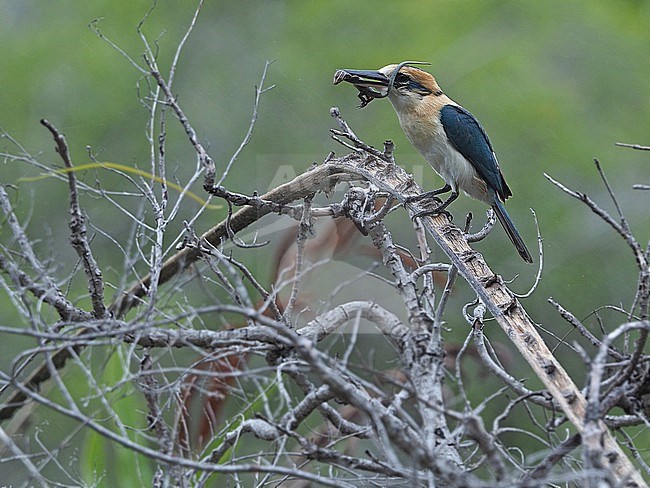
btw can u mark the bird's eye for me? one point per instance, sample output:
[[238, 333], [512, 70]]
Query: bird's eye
[[402, 79]]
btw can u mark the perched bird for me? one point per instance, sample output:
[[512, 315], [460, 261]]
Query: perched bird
[[450, 138]]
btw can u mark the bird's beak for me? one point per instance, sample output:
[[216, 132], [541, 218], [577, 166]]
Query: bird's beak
[[361, 77], [371, 84]]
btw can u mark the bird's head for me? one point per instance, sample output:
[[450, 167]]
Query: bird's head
[[405, 86]]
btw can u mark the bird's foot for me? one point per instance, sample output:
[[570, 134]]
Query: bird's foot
[[433, 212], [427, 200], [422, 196]]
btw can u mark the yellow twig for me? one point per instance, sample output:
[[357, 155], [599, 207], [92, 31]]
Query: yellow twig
[[126, 169]]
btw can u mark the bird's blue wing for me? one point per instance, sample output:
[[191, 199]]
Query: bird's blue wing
[[469, 138]]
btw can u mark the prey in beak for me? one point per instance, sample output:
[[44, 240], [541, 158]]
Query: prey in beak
[[371, 84]]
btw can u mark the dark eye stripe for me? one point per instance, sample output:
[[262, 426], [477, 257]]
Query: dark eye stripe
[[403, 80]]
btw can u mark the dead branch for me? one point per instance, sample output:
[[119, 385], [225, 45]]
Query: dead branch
[[634, 146], [78, 231], [490, 288]]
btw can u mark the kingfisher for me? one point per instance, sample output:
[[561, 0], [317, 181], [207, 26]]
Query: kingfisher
[[448, 136]]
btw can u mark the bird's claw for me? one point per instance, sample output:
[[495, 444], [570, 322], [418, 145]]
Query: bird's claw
[[418, 198], [432, 212], [437, 210]]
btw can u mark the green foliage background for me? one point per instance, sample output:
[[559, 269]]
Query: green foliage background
[[555, 83]]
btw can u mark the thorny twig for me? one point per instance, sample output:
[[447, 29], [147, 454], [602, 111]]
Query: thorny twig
[[541, 398], [155, 421]]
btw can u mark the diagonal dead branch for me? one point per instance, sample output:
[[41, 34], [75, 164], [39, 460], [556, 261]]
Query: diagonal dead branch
[[507, 310], [78, 231], [204, 157], [560, 452], [595, 208], [573, 320]]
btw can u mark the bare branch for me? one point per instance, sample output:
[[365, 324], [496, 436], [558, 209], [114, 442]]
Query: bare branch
[[320, 178], [621, 229], [204, 157], [571, 319], [259, 90], [634, 146], [544, 467], [358, 144], [48, 291], [223, 382], [78, 237], [304, 228], [324, 325]]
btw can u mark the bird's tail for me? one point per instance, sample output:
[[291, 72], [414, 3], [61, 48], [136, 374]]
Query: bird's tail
[[511, 230]]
